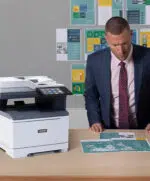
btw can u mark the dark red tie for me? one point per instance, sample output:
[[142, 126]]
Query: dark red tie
[[123, 98]]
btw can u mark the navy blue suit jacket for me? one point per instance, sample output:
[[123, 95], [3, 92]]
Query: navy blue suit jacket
[[98, 86]]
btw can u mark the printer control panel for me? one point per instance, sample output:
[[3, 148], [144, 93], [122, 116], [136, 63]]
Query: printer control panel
[[50, 91]]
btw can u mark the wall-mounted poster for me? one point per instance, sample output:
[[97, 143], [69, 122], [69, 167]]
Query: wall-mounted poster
[[109, 8], [94, 40], [68, 44], [137, 11], [83, 12], [134, 36], [78, 79], [145, 37]]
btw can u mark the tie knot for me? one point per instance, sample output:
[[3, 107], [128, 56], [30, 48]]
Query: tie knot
[[122, 64]]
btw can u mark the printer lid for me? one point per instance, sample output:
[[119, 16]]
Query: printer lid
[[24, 86]]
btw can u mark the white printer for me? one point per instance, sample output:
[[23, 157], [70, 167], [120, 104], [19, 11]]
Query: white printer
[[36, 126]]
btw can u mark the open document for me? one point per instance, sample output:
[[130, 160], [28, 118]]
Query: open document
[[115, 142], [111, 135]]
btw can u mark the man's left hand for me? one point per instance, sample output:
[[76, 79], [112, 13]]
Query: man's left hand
[[148, 128]]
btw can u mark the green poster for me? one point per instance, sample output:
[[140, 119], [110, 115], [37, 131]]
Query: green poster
[[83, 12]]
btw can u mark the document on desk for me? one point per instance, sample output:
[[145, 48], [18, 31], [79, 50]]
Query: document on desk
[[114, 145], [110, 135]]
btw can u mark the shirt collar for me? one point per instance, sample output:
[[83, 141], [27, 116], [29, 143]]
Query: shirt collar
[[116, 60]]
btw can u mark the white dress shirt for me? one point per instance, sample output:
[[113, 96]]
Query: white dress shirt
[[115, 70]]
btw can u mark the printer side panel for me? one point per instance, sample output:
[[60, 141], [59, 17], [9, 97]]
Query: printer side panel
[[6, 133]]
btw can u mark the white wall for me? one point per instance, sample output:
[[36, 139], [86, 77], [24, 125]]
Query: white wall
[[28, 41], [78, 118]]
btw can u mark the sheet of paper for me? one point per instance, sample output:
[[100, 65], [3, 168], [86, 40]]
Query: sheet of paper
[[114, 145], [131, 145], [111, 135], [96, 146]]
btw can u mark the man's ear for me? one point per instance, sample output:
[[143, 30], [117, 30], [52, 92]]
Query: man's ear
[[106, 38], [131, 32]]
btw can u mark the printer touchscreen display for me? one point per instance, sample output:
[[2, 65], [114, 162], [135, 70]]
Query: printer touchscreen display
[[54, 91], [50, 91]]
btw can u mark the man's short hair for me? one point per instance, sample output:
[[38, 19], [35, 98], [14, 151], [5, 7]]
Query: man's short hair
[[116, 25]]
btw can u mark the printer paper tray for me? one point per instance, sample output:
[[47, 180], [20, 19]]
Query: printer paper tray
[[43, 132]]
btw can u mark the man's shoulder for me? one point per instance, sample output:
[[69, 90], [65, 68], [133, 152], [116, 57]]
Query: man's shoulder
[[99, 53], [143, 55], [140, 49]]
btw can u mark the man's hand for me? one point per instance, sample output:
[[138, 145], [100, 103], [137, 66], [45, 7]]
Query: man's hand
[[97, 127], [148, 128]]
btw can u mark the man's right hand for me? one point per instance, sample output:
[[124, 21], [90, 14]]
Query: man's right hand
[[97, 127]]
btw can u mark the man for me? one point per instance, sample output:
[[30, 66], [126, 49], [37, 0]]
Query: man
[[117, 86]]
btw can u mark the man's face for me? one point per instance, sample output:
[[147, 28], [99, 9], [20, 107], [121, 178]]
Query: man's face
[[120, 44]]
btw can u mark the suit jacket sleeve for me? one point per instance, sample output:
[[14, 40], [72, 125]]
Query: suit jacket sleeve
[[143, 112], [92, 97]]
